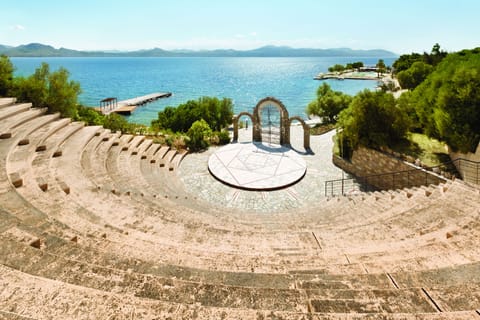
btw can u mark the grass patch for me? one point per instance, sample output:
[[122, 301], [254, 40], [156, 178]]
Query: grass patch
[[430, 151]]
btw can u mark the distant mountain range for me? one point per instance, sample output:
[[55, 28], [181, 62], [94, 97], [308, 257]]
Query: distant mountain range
[[42, 50]]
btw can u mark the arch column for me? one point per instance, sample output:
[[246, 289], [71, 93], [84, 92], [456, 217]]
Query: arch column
[[236, 118], [284, 120], [306, 131]]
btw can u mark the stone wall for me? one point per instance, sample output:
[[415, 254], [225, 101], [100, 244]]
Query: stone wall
[[469, 170], [374, 165]]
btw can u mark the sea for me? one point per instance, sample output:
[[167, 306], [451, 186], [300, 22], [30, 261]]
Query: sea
[[244, 80]]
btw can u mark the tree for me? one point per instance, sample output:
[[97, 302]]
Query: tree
[[448, 101], [217, 113], [198, 135], [406, 105], [116, 122], [49, 90], [328, 104], [62, 93], [357, 64], [436, 55], [34, 89], [373, 120], [413, 76], [336, 68], [381, 67], [6, 75], [405, 61]]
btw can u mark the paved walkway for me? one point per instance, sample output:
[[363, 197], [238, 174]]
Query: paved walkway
[[198, 181]]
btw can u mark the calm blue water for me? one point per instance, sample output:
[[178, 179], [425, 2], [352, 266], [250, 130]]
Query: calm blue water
[[244, 80]]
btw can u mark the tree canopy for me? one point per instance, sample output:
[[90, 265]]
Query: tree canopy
[[405, 61], [448, 101], [328, 104], [198, 135], [413, 76], [52, 90], [373, 120], [6, 75], [217, 114]]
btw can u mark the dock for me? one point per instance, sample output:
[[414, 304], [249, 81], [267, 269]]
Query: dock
[[128, 106]]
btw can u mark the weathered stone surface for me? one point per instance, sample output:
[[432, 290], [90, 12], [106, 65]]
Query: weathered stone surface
[[42, 184], [16, 179], [65, 188], [184, 246]]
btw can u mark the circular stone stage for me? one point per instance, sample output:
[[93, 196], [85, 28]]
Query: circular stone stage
[[257, 166]]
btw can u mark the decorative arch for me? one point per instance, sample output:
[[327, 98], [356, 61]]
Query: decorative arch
[[236, 118], [284, 120], [306, 131]]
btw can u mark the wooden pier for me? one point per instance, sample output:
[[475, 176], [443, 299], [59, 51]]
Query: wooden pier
[[126, 107]]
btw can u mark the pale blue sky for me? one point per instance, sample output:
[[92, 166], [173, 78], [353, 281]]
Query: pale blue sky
[[401, 26]]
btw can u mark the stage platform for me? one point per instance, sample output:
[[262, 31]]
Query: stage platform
[[257, 166]]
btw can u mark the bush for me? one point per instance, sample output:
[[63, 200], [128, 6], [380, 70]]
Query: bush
[[52, 90], [413, 76], [198, 135], [90, 116], [221, 138], [6, 76], [448, 101], [328, 104], [116, 122], [217, 114], [373, 120]]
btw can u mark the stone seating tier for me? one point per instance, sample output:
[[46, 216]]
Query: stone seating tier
[[128, 240]]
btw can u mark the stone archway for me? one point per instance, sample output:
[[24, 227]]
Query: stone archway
[[283, 121], [236, 118], [306, 131]]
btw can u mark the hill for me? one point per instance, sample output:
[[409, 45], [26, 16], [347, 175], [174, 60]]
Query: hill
[[42, 50]]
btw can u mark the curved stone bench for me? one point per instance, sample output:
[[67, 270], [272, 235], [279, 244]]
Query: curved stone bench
[[404, 254]]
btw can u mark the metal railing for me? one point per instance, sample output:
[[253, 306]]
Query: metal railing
[[465, 169]]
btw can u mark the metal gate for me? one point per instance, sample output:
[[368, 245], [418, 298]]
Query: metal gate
[[271, 124]]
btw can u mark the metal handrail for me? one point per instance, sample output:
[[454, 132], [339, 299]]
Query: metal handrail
[[469, 170]]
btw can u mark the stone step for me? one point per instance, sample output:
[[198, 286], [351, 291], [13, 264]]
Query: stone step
[[5, 102], [12, 122], [11, 111]]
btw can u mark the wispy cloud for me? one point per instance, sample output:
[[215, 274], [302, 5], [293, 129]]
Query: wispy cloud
[[18, 27]]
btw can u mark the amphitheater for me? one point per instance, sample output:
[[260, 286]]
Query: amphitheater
[[99, 225]]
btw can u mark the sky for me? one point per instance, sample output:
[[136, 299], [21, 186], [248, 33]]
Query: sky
[[401, 26]]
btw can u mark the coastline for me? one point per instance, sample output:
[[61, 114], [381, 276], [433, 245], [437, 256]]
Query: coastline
[[350, 75]]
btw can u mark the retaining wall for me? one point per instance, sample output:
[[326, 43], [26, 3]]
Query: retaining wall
[[368, 162]]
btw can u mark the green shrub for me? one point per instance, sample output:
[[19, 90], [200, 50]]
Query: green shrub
[[90, 116], [448, 101], [6, 76], [52, 90], [373, 120], [198, 135], [328, 104], [223, 137], [116, 122], [217, 113]]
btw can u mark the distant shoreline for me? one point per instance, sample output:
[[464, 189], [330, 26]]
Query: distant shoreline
[[42, 50], [350, 75]]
